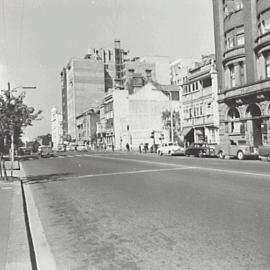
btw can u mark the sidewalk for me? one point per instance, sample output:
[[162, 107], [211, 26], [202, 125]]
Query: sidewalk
[[14, 248]]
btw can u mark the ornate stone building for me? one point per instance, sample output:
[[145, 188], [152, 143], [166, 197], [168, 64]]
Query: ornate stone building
[[242, 39]]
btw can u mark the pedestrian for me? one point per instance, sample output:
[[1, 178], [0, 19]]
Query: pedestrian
[[140, 148], [113, 147], [127, 147]]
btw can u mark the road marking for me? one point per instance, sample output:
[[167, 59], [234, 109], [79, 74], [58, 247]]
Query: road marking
[[195, 167], [233, 171], [6, 187], [137, 160], [128, 172]]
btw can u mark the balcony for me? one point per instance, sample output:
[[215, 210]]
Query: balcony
[[262, 5], [262, 42], [233, 53], [233, 20]]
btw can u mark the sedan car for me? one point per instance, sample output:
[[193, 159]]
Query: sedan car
[[200, 150], [81, 148], [45, 151], [170, 148]]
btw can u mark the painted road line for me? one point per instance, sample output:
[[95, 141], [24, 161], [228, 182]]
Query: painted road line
[[195, 167], [233, 172], [128, 172], [140, 161]]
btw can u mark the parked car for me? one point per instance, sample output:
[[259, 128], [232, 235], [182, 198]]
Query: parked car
[[81, 148], [45, 151], [23, 151], [70, 147], [264, 152], [200, 150], [170, 148], [240, 149]]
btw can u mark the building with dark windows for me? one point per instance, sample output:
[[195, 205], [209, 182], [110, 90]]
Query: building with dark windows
[[83, 87], [242, 40], [199, 106]]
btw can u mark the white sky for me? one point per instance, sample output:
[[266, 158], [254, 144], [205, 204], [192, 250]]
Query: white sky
[[38, 37]]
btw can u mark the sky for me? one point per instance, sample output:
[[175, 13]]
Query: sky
[[38, 37]]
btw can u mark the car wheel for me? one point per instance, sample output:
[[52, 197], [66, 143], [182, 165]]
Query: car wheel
[[220, 155], [268, 158], [240, 155]]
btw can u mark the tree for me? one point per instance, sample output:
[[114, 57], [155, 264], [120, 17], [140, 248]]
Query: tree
[[166, 118], [14, 116]]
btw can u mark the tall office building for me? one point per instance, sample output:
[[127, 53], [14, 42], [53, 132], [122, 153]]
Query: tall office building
[[242, 39], [83, 87], [114, 64]]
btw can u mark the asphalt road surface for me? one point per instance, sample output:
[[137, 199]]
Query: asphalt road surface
[[134, 211]]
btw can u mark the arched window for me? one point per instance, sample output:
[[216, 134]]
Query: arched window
[[233, 113], [234, 125], [253, 110]]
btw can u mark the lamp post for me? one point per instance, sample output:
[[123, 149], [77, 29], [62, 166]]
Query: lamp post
[[11, 127]]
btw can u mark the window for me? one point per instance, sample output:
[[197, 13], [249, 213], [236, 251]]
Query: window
[[235, 37], [264, 22], [240, 39], [232, 6], [242, 68], [207, 82], [267, 64], [232, 76]]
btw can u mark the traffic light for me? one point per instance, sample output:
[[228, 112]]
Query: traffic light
[[152, 134]]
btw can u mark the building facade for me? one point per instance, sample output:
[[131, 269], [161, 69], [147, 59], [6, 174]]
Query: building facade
[[85, 87], [56, 128], [199, 103], [242, 40], [86, 124], [130, 117]]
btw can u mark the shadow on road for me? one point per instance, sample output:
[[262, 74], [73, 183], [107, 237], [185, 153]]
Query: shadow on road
[[44, 178]]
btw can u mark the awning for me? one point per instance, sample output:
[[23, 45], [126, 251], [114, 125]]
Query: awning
[[185, 131]]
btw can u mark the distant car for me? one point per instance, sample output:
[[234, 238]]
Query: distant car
[[200, 150], [81, 148], [61, 148], [45, 151], [23, 151], [170, 148], [70, 148]]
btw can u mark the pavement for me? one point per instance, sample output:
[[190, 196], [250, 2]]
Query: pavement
[[14, 248]]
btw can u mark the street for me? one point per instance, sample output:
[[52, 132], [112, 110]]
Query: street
[[136, 211]]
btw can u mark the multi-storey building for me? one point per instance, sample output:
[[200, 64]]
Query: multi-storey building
[[114, 64], [56, 128], [179, 69], [87, 126], [242, 40], [130, 116], [64, 101], [162, 68], [199, 107], [84, 81]]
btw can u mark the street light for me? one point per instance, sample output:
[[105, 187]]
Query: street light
[[11, 132]]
